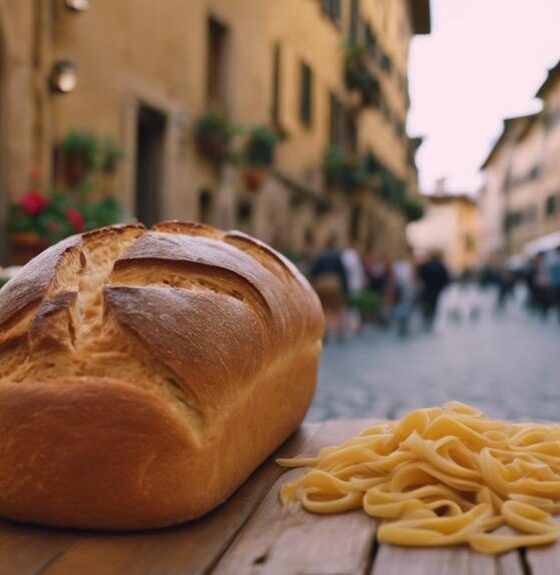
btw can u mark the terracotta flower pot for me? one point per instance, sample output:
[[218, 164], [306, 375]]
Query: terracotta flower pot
[[75, 170], [253, 178], [25, 246], [213, 147]]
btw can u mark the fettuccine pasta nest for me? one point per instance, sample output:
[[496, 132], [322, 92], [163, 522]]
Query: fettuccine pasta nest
[[441, 476]]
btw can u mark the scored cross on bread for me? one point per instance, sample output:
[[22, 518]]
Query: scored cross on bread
[[145, 373]]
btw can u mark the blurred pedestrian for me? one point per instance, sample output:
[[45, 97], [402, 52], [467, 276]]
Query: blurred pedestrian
[[377, 274], [356, 278], [541, 285], [506, 282], [434, 278], [329, 278], [554, 275], [405, 293]]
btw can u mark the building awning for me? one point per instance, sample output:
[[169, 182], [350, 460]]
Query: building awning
[[542, 244]]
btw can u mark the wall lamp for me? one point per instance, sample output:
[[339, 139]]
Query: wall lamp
[[77, 5], [63, 77]]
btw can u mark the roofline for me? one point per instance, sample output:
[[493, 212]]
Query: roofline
[[420, 16], [507, 124], [446, 198], [552, 74]]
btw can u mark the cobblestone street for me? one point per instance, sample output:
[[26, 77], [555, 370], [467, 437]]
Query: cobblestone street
[[508, 365]]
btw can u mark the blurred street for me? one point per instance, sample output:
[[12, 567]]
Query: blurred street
[[506, 364]]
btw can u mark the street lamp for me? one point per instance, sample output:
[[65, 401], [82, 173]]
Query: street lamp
[[77, 5], [63, 77]]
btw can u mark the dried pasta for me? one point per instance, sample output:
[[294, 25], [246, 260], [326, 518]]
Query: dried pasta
[[441, 476]]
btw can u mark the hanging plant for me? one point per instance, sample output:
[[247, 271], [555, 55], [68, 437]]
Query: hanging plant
[[413, 209], [358, 76], [260, 147], [81, 152], [344, 170], [258, 156], [111, 157], [214, 135]]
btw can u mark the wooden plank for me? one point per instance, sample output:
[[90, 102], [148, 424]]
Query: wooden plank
[[459, 560], [27, 550], [544, 560], [286, 540], [191, 548]]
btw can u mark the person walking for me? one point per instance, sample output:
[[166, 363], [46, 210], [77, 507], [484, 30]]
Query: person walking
[[542, 285], [554, 276], [434, 278], [405, 292], [356, 277], [329, 278]]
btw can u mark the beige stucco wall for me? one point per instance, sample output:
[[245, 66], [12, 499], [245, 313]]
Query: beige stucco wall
[[532, 145], [128, 53], [491, 209], [451, 227]]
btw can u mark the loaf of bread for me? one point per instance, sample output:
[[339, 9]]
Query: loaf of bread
[[144, 374]]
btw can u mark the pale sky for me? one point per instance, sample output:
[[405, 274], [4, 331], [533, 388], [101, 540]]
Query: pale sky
[[483, 61]]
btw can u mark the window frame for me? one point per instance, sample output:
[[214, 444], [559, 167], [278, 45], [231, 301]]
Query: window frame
[[306, 94]]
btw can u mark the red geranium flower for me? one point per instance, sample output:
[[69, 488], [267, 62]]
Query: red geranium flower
[[33, 203], [76, 219]]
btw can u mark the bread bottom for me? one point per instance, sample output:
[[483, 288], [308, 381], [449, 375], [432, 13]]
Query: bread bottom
[[102, 454]]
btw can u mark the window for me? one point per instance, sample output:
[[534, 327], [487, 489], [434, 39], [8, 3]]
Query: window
[[336, 127], [275, 103], [355, 219], [385, 63], [244, 214], [354, 19], [331, 8], [306, 95], [216, 68], [371, 42], [351, 135], [551, 206], [520, 218], [534, 173], [551, 118]]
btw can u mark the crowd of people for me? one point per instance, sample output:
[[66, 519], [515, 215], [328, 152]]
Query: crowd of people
[[355, 289], [540, 275]]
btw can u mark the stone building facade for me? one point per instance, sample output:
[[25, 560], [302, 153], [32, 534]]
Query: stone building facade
[[520, 200], [450, 226], [146, 74]]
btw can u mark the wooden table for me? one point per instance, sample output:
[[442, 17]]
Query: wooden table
[[253, 534]]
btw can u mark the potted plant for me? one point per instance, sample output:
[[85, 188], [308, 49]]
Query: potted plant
[[81, 151], [214, 134], [413, 209], [111, 157], [358, 77], [34, 223], [258, 156], [344, 170], [38, 220]]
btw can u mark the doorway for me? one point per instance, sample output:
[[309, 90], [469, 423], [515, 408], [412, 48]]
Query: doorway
[[150, 143]]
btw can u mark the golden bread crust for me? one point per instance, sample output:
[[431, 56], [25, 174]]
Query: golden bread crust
[[144, 374]]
